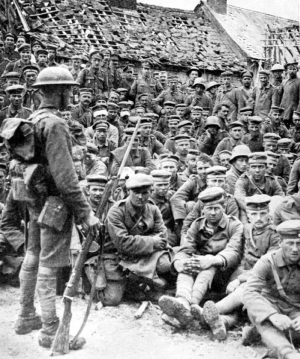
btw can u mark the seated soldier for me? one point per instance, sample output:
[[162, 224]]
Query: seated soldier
[[93, 165], [182, 145], [239, 163], [224, 158], [215, 177], [212, 136], [183, 128], [191, 161], [244, 115], [198, 125], [184, 199], [168, 110], [288, 209], [272, 162], [254, 139], [149, 141], [173, 122], [158, 135], [260, 238], [168, 163], [138, 236], [275, 124], [229, 143], [138, 156], [161, 197], [272, 294], [210, 251], [255, 181]]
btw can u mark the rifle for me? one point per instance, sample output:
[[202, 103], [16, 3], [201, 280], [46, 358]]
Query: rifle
[[61, 344]]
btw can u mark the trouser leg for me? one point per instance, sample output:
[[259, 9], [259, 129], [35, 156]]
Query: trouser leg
[[202, 284], [230, 302], [184, 288]]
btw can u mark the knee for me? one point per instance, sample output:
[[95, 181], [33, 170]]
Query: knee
[[112, 295], [31, 261], [163, 264]]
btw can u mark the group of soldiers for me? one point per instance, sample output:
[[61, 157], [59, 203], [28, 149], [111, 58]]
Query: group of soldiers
[[206, 200]]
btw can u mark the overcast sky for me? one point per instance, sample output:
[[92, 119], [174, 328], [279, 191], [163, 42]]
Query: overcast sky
[[284, 8]]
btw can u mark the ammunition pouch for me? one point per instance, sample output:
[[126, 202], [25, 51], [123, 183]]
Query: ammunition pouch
[[54, 214]]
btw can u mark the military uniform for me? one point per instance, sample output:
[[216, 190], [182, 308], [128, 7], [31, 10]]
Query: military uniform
[[168, 95], [294, 178], [16, 67], [96, 81], [83, 115], [228, 144], [141, 85], [208, 145], [153, 145], [264, 98], [253, 142], [231, 177], [281, 130], [288, 209], [199, 100], [7, 112], [230, 96], [31, 98], [11, 54]]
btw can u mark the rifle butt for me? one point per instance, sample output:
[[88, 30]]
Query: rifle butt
[[60, 344]]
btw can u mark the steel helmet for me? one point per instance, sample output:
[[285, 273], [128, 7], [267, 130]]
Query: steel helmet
[[55, 76], [277, 67], [240, 151], [212, 121]]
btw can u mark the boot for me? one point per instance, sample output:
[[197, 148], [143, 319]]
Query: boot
[[214, 320], [250, 335], [27, 320], [177, 308], [46, 287]]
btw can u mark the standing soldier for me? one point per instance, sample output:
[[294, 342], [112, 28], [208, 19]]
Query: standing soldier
[[246, 90], [167, 111], [277, 72], [199, 98], [168, 162], [9, 47], [254, 139], [31, 96], [145, 84], [276, 125], [76, 66], [52, 55], [211, 89], [170, 94], [48, 246], [42, 58], [128, 79], [25, 60], [192, 74]]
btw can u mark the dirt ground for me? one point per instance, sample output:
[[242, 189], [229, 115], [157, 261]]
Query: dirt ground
[[114, 333]]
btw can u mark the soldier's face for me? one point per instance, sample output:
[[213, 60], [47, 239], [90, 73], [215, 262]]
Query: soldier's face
[[201, 170], [85, 99], [42, 58], [271, 166], [241, 163], [227, 80], [199, 89], [146, 130], [224, 160], [9, 42], [144, 101], [236, 133], [30, 77], [173, 85], [192, 163], [66, 115], [25, 55], [259, 218], [15, 99], [20, 41], [182, 147], [193, 75], [89, 159], [246, 81], [292, 71], [284, 150], [270, 146], [223, 112], [129, 75], [76, 63], [96, 63], [196, 116], [101, 134], [263, 80], [51, 54], [245, 115], [140, 111], [146, 71], [213, 213], [277, 74], [180, 111], [96, 193], [291, 250], [169, 166], [139, 196], [135, 144], [185, 130], [275, 117], [161, 188], [216, 182], [296, 120], [11, 82], [163, 78], [35, 48], [213, 130], [114, 97], [169, 110], [254, 128], [112, 114], [257, 171]]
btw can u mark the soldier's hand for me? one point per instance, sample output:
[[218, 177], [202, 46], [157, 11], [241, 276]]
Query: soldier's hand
[[232, 286], [159, 242], [296, 324], [202, 262], [182, 266], [280, 321], [92, 223]]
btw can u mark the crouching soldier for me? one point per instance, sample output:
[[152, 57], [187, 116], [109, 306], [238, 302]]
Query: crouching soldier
[[208, 254], [272, 293], [260, 238], [138, 234]]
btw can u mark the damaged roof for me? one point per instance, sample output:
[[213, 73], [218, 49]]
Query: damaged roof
[[165, 36]]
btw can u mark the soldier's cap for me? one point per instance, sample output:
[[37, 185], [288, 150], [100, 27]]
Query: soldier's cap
[[9, 34], [86, 91], [235, 124], [161, 176], [212, 121], [226, 73], [14, 89], [112, 105], [24, 47], [173, 122], [185, 123], [31, 68], [130, 130], [240, 151], [51, 47], [12, 75], [139, 180], [169, 103], [289, 229], [211, 85], [41, 52], [258, 202], [212, 195], [247, 73], [133, 119], [145, 121], [193, 152], [121, 90], [76, 57], [96, 180], [277, 67], [255, 120], [126, 173], [271, 137], [181, 105], [85, 59], [296, 113], [101, 124], [284, 142], [168, 157], [199, 81], [292, 62], [142, 95], [115, 92], [264, 72], [278, 109], [216, 172], [124, 104], [193, 68], [246, 109], [152, 115], [174, 117], [196, 109], [225, 152], [97, 113], [91, 148], [180, 138], [258, 158], [10, 125], [273, 156]]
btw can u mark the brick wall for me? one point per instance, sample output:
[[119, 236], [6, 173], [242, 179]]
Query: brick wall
[[123, 4]]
